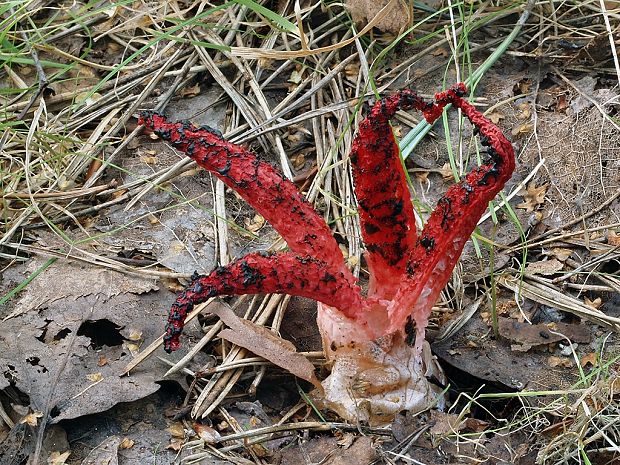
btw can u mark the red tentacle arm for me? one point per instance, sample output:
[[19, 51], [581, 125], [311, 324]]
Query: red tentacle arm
[[259, 183], [282, 273], [385, 209], [454, 219]]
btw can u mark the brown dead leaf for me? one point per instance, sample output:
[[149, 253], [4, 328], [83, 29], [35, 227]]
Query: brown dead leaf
[[266, 344], [47, 288], [613, 238], [176, 430], [58, 458], [533, 196], [525, 336], [206, 433], [561, 253], [189, 92], [591, 358], [444, 423], [396, 20], [126, 443], [595, 304], [32, 419], [525, 128], [558, 428], [562, 103], [544, 267], [563, 362], [40, 339], [496, 117], [475, 425]]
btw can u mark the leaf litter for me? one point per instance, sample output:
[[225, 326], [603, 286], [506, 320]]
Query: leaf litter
[[55, 337]]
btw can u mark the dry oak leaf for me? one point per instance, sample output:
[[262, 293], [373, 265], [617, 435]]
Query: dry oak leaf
[[533, 196], [559, 362], [590, 358]]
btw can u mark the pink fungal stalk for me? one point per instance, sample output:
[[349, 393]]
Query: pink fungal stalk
[[374, 342]]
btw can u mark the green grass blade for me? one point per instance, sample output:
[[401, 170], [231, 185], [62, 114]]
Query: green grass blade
[[273, 17]]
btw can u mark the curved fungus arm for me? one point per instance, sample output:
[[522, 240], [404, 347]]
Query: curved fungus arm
[[257, 273], [449, 226], [259, 183], [385, 209]]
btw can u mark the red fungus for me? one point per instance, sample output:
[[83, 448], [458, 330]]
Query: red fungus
[[367, 338]]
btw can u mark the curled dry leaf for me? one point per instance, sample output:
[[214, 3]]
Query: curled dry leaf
[[563, 362], [126, 443], [591, 358], [533, 196], [206, 433], [496, 117], [266, 344], [525, 335], [58, 458], [613, 238]]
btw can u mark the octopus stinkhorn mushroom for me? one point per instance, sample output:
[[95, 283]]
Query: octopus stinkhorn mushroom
[[374, 341]]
